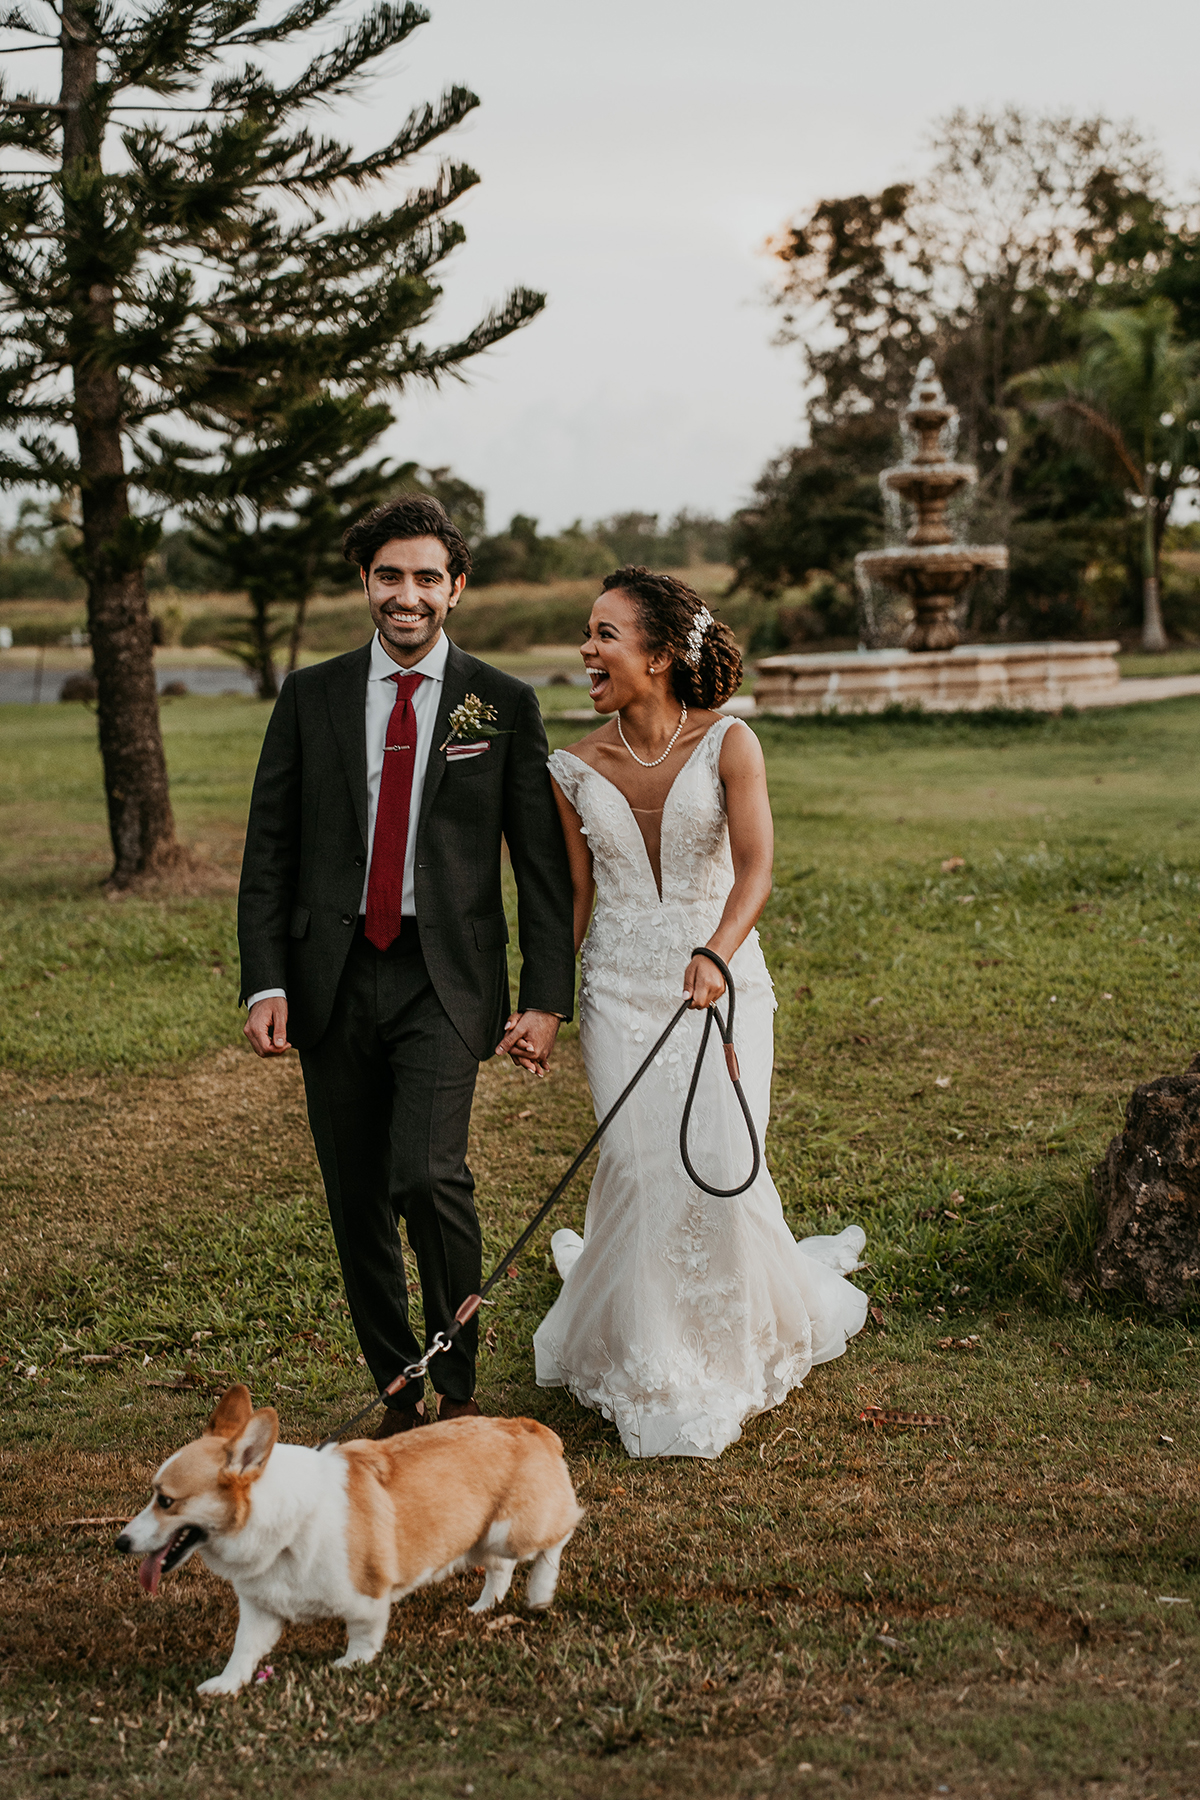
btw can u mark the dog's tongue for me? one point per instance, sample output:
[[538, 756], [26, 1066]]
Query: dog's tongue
[[151, 1568]]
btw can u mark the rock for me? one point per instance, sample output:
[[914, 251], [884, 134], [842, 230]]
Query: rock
[[1148, 1188], [78, 687]]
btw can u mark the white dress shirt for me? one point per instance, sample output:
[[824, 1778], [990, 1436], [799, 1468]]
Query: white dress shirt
[[381, 698]]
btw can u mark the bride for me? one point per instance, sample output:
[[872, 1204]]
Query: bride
[[680, 1315]]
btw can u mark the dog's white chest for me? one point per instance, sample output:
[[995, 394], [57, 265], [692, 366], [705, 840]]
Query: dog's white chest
[[292, 1561]]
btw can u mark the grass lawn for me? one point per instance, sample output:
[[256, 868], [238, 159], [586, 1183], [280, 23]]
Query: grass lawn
[[983, 934]]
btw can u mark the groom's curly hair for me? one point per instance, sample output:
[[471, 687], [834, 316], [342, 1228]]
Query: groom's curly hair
[[409, 516], [667, 612]]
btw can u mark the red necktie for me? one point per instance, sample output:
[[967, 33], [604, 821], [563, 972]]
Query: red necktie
[[385, 885]]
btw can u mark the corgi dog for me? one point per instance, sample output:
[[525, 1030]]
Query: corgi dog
[[342, 1532]]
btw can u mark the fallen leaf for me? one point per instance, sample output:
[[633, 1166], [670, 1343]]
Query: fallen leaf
[[860, 1039], [953, 862], [966, 899], [875, 1314], [803, 993], [879, 1416], [527, 1114], [877, 1001], [942, 1081], [502, 1623]]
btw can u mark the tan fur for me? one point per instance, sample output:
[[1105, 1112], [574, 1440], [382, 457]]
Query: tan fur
[[195, 1470], [417, 1498], [203, 1466], [231, 1413]]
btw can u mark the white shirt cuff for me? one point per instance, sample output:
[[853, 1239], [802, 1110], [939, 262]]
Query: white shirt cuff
[[266, 994]]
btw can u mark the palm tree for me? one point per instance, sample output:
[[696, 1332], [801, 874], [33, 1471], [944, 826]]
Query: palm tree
[[1132, 398]]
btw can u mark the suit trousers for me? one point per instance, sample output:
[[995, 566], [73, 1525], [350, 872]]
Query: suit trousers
[[389, 1087]]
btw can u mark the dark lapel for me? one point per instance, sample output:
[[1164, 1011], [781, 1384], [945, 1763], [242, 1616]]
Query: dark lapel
[[455, 682], [346, 696]]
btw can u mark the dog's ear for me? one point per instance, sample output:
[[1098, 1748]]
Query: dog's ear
[[249, 1454], [230, 1413]]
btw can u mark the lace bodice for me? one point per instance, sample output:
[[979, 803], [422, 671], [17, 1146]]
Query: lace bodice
[[639, 943]]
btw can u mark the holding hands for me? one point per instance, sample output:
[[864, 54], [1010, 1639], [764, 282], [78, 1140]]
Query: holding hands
[[529, 1039]]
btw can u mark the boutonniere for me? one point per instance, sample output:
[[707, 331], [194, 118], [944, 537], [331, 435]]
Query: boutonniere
[[472, 718]]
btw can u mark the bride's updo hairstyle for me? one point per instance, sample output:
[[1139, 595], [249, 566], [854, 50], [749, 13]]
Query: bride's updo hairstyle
[[706, 667]]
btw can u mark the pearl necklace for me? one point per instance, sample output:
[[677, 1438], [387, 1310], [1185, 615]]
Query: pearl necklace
[[666, 752]]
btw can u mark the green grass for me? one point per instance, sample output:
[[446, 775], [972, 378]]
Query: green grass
[[1169, 662], [975, 1609]]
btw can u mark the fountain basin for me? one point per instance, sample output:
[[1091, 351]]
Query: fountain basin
[[911, 480], [931, 568], [968, 678]]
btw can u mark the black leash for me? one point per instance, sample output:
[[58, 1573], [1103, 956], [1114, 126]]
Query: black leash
[[472, 1303]]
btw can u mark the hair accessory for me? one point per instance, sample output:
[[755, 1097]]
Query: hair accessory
[[700, 624]]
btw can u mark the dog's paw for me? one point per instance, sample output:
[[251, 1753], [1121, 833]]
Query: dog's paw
[[220, 1684], [483, 1604], [352, 1659]]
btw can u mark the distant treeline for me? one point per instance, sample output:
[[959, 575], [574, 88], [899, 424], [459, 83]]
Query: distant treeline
[[36, 560]]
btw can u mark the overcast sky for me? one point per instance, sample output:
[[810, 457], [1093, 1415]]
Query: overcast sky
[[636, 154]]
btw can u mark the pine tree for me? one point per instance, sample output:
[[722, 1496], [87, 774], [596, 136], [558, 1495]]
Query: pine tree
[[160, 284], [276, 513]]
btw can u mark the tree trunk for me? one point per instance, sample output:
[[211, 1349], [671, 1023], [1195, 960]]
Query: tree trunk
[[1153, 635], [114, 543], [297, 634], [262, 659]]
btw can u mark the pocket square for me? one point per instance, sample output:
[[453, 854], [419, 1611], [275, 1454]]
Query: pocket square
[[456, 752]]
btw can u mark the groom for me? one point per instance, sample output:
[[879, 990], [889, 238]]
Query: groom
[[372, 930]]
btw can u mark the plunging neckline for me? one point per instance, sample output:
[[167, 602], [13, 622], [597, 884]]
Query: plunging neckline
[[681, 771]]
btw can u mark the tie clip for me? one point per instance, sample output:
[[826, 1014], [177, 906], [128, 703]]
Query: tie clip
[[397, 746]]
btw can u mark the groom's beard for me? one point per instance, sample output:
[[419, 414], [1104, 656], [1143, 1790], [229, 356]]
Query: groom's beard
[[408, 637]]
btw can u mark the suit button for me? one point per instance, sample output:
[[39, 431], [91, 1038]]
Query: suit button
[[360, 862], [347, 918]]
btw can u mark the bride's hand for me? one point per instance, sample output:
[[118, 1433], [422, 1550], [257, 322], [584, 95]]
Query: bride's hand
[[703, 983]]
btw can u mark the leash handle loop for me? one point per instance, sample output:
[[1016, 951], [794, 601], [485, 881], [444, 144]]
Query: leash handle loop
[[725, 1027]]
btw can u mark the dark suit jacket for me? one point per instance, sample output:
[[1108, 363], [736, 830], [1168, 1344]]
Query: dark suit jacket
[[306, 848]]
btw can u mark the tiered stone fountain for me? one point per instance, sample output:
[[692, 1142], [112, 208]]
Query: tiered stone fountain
[[933, 570], [931, 669]]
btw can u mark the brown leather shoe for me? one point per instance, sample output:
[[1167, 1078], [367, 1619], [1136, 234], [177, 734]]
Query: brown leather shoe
[[456, 1409], [401, 1418]]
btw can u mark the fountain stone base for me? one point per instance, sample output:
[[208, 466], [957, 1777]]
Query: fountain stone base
[[1040, 677]]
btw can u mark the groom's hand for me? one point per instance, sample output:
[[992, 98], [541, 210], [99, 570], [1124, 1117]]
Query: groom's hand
[[266, 1026], [529, 1039]]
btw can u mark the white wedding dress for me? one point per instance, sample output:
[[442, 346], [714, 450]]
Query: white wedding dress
[[680, 1315]]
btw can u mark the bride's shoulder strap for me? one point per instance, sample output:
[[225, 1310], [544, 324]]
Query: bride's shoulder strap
[[717, 733], [568, 771]]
